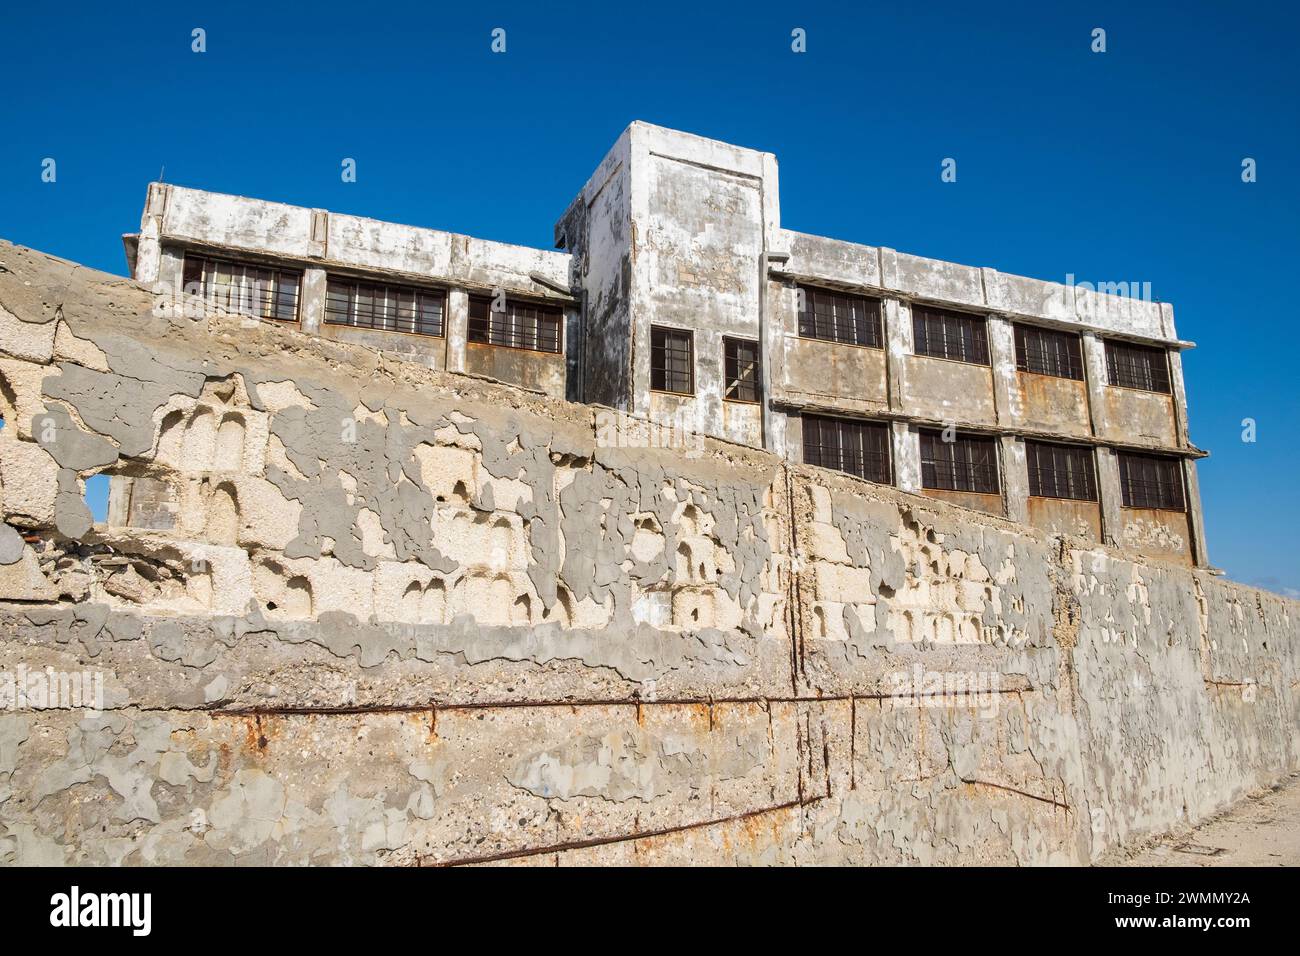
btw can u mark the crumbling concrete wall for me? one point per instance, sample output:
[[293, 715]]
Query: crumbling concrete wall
[[370, 612]]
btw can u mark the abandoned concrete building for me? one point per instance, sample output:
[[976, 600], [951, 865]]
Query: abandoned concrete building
[[677, 296]]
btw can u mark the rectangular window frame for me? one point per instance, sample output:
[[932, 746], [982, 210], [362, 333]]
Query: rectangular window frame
[[859, 447], [968, 464], [522, 324], [740, 384], [1044, 351], [1144, 368], [841, 317], [662, 369], [950, 335], [1151, 482], [357, 303], [1063, 472], [222, 281]]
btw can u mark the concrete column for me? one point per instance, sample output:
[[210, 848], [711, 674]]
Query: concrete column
[[1002, 356], [311, 310], [1015, 479], [1110, 497], [1195, 515], [1094, 371], [148, 253], [907, 457], [1179, 390], [573, 355], [898, 345], [458, 329]]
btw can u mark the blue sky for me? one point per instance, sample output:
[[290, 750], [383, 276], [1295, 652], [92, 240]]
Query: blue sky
[[1117, 166]]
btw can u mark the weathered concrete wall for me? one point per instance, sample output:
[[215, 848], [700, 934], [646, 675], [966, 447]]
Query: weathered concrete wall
[[371, 612]]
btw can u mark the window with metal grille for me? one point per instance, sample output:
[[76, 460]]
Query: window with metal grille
[[1151, 481], [839, 317], [857, 447], [967, 463], [516, 325], [1061, 471], [672, 360], [1048, 352], [950, 335], [1137, 366], [243, 288], [740, 358], [388, 308]]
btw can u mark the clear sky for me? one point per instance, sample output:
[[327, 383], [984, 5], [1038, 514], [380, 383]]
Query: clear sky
[[1116, 166]]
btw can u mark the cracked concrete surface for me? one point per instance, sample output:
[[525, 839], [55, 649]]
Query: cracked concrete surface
[[348, 609]]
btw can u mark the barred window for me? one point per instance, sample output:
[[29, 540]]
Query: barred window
[[518, 325], [672, 360], [857, 447], [1061, 471], [1151, 481], [1048, 352], [242, 288], [967, 463], [839, 317], [1137, 366], [740, 358], [950, 335], [388, 308]]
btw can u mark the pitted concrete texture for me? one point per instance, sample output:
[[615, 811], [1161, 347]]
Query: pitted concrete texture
[[347, 609]]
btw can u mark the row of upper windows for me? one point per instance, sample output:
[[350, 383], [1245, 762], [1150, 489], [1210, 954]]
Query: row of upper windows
[[969, 463], [962, 337], [274, 293]]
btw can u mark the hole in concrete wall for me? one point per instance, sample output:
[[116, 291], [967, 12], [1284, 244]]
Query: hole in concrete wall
[[169, 438], [230, 443], [223, 515], [200, 441], [521, 610], [97, 496], [297, 597], [561, 612], [8, 402]]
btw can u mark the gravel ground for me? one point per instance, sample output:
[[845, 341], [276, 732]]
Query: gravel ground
[[1261, 830]]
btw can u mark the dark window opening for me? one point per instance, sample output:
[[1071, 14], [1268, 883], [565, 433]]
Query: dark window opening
[[244, 289], [967, 463], [857, 447], [387, 308], [740, 358], [672, 361], [1151, 481], [950, 335], [839, 317], [1137, 366], [1048, 352], [1061, 471], [516, 325]]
